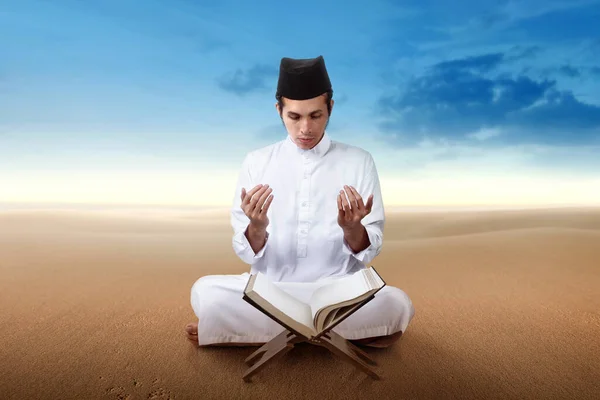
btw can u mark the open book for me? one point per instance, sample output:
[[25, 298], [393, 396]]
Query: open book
[[328, 305]]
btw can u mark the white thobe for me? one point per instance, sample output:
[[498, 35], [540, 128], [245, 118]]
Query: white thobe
[[305, 245]]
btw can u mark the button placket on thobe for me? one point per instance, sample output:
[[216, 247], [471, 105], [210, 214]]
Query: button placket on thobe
[[304, 214]]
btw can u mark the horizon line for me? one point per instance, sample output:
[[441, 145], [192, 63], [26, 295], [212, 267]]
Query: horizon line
[[391, 207]]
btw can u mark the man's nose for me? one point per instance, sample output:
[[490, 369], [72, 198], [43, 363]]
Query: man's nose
[[305, 125]]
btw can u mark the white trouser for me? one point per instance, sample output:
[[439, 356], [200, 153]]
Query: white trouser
[[224, 317]]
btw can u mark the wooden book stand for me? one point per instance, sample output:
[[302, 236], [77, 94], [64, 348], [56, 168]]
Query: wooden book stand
[[286, 340]]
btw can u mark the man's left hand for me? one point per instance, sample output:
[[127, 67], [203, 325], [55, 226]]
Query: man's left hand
[[352, 210]]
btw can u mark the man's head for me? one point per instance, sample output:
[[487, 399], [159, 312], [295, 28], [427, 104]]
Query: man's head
[[304, 99]]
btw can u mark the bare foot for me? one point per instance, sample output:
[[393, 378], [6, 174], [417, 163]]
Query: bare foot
[[191, 331]]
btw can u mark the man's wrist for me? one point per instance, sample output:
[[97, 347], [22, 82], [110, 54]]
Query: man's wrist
[[256, 232], [357, 238], [354, 231], [257, 237]]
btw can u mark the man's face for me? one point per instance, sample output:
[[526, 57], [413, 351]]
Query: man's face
[[305, 119]]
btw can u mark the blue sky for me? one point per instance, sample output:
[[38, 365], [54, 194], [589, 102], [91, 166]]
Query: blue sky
[[152, 101]]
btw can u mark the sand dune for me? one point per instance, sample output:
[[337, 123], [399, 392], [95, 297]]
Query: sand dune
[[92, 306], [411, 225]]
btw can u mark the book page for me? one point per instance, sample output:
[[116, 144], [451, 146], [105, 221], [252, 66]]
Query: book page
[[282, 300], [374, 281], [338, 291]]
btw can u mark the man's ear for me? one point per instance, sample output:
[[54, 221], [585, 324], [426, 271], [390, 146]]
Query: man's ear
[[279, 110]]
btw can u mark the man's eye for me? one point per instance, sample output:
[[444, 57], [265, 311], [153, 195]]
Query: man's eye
[[316, 116]]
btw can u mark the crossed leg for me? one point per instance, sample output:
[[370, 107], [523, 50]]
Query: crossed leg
[[227, 320]]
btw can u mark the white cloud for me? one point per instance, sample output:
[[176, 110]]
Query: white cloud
[[485, 133]]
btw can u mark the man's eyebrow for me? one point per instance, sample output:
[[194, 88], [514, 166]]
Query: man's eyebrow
[[312, 112]]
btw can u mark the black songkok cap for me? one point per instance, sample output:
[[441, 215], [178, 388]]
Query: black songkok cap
[[301, 79]]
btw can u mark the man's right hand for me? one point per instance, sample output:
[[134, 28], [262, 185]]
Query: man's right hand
[[255, 204]]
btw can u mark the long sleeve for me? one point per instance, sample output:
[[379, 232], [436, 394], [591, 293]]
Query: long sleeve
[[375, 220], [240, 221]]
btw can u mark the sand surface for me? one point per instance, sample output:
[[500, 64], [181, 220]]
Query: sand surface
[[93, 305]]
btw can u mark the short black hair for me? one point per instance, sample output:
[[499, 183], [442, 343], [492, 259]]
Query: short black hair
[[328, 97]]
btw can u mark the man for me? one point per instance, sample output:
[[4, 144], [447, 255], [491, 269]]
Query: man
[[306, 210]]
